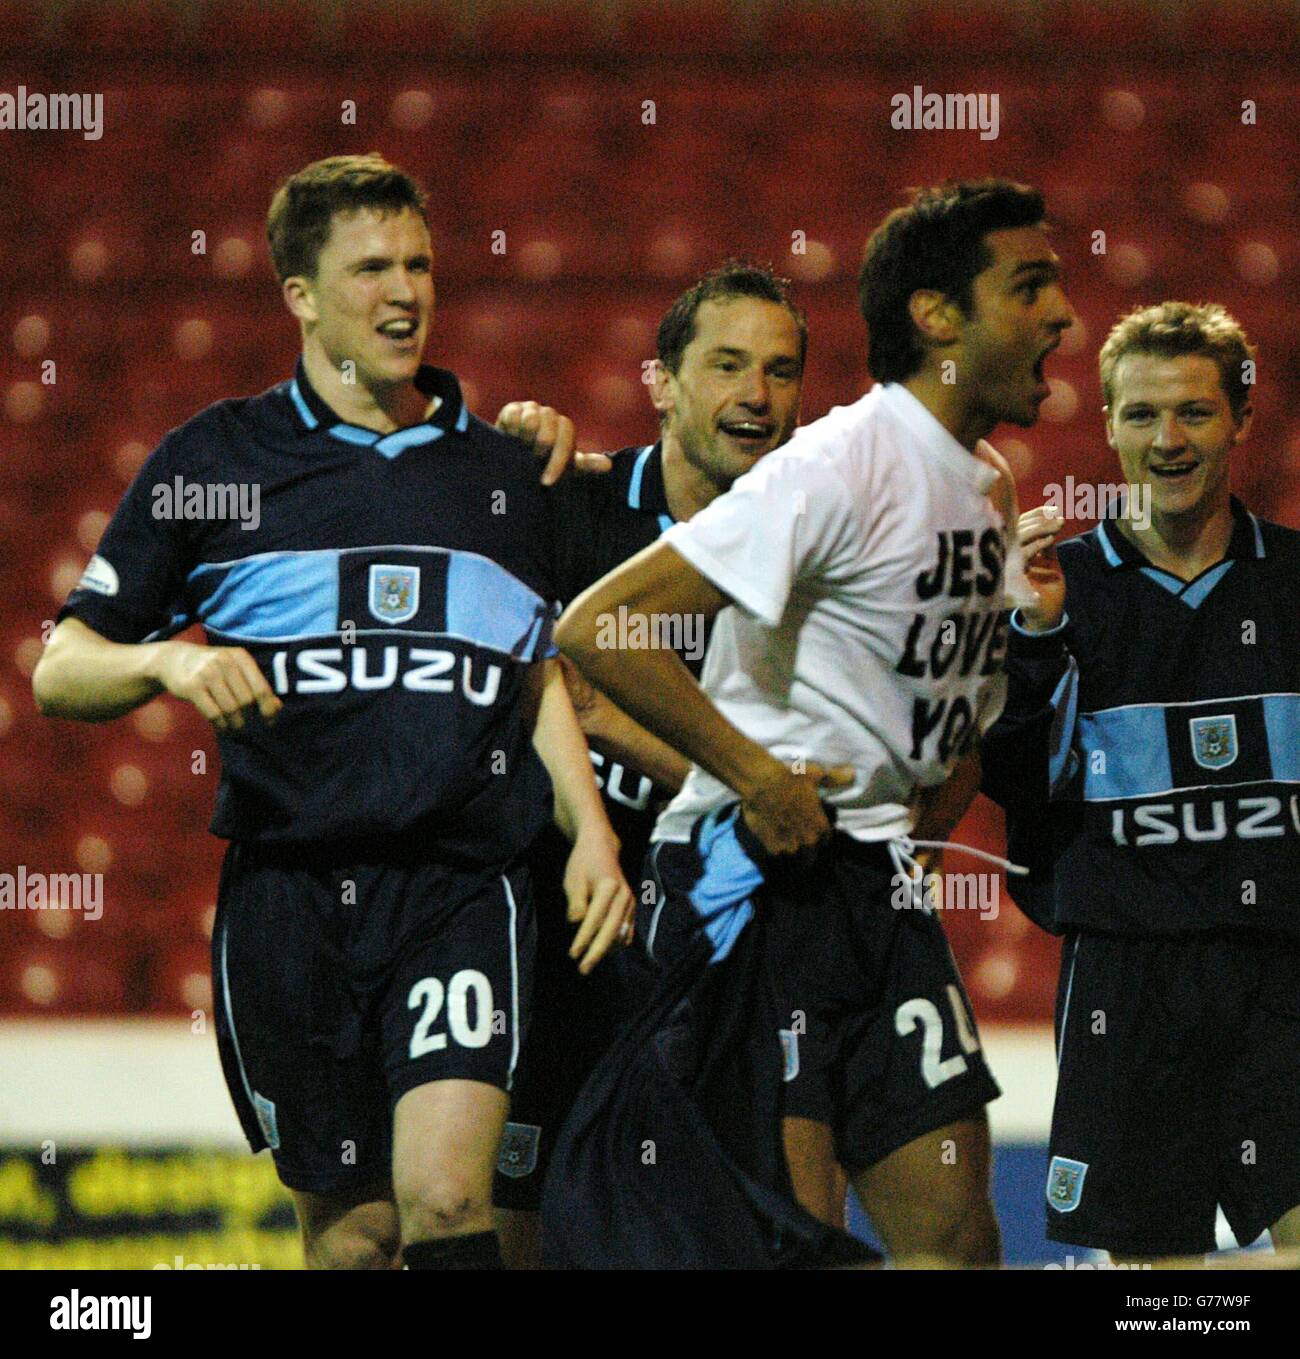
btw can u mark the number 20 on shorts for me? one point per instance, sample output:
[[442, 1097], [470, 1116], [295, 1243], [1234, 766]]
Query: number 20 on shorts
[[430, 993]]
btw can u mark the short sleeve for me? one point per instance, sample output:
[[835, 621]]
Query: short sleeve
[[781, 522], [133, 587]]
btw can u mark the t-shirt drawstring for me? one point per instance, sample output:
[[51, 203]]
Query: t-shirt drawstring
[[902, 851]]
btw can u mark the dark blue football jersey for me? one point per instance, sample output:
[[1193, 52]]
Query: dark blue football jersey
[[393, 589], [600, 521], [1149, 751]]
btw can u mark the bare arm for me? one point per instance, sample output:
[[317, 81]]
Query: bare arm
[[597, 892], [655, 687], [84, 676], [611, 731], [939, 809]]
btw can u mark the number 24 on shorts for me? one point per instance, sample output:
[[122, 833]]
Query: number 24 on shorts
[[467, 1032], [924, 1012]]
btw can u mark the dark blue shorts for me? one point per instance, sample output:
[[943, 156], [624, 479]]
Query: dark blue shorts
[[880, 1042], [574, 1021], [344, 979], [1178, 1090]]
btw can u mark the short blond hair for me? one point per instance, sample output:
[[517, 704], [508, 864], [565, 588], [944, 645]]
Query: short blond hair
[[1170, 330]]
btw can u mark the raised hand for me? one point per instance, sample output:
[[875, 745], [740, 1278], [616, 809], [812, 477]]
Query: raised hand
[[1038, 529]]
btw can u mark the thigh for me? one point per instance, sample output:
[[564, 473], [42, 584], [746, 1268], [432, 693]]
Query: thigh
[[1286, 1230], [1260, 1148], [304, 1081], [1135, 1122], [445, 1139], [925, 1195]]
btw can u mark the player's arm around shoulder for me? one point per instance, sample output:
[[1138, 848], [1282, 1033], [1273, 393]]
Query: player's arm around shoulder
[[551, 438], [597, 892], [87, 677]]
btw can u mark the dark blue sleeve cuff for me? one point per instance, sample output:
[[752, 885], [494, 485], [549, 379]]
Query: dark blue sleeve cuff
[[1050, 632]]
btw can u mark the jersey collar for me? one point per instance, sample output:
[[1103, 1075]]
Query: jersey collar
[[645, 489], [1246, 542], [315, 416]]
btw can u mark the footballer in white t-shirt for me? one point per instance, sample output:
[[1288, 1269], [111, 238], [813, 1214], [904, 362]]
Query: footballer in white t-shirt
[[866, 560], [850, 678]]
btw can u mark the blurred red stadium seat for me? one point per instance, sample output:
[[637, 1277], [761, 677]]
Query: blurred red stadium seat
[[88, 977], [1085, 29], [568, 31], [971, 30], [27, 31], [828, 31], [180, 979], [685, 28], [125, 29], [374, 32], [1271, 27], [250, 32]]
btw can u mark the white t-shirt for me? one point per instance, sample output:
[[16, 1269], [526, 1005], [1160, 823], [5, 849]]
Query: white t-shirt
[[867, 560]]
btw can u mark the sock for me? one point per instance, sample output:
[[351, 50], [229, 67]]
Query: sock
[[478, 1250]]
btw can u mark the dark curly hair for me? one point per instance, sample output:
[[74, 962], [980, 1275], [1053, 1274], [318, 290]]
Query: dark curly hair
[[936, 241]]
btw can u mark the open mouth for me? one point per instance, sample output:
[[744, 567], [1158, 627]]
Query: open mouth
[[1039, 376], [400, 331], [1171, 471], [751, 434]]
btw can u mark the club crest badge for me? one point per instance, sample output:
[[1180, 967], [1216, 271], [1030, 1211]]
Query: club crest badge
[[1214, 741], [394, 593], [518, 1154], [1065, 1183]]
